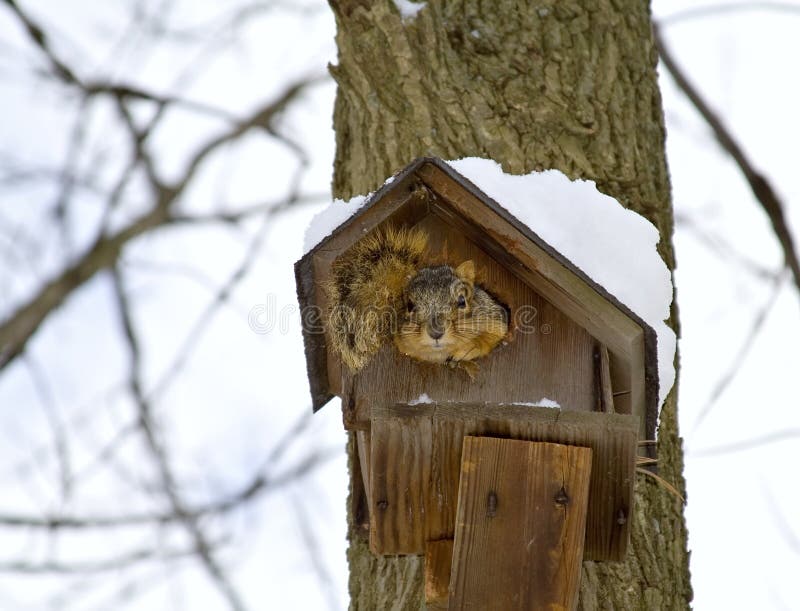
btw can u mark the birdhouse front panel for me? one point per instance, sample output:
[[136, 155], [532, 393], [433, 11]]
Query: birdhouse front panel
[[528, 367], [572, 366]]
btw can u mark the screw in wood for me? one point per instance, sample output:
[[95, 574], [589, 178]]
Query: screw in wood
[[561, 497], [621, 517], [383, 504]]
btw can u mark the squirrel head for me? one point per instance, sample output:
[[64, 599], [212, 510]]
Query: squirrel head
[[447, 317]]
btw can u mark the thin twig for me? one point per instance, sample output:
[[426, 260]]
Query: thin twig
[[202, 546], [662, 482], [23, 323], [738, 360], [715, 10], [314, 552], [724, 250], [747, 444], [102, 565], [58, 428], [760, 186]]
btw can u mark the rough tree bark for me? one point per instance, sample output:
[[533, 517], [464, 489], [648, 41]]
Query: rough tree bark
[[553, 84]]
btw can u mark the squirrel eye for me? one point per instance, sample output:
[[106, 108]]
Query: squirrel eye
[[462, 301], [410, 306]]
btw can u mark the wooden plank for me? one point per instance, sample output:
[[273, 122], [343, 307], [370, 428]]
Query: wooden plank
[[520, 525], [604, 372], [314, 343], [397, 499], [359, 505], [364, 453], [416, 461], [438, 564]]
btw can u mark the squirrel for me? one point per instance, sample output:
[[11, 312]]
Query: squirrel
[[381, 290]]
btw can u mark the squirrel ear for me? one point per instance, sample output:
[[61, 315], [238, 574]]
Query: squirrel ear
[[466, 271]]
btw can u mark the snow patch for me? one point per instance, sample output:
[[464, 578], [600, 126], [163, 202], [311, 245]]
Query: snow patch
[[328, 219], [423, 398], [334, 214], [614, 246], [408, 10], [543, 402]]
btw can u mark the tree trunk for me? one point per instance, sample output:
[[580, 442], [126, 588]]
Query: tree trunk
[[565, 85]]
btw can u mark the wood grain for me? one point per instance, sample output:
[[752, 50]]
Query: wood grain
[[547, 355], [552, 278], [432, 194], [438, 564], [415, 465], [520, 525]]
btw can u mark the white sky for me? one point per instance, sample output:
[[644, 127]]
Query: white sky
[[241, 389]]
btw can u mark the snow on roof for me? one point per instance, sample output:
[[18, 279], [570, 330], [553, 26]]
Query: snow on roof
[[614, 246]]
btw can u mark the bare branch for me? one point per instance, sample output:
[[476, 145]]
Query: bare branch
[[20, 327], [202, 547], [760, 186], [715, 10], [57, 427], [786, 528], [61, 70], [304, 524], [725, 250], [202, 323], [738, 360], [748, 444], [261, 118], [23, 323], [261, 482], [95, 566]]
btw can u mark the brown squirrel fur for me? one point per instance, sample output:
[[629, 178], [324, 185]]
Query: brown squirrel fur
[[381, 290]]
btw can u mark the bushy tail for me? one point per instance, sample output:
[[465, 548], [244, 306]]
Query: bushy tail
[[366, 291]]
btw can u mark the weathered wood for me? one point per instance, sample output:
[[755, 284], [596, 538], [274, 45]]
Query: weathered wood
[[358, 499], [563, 285], [543, 344], [572, 87], [606, 390], [402, 202], [520, 525], [432, 194], [364, 452], [438, 564], [416, 460]]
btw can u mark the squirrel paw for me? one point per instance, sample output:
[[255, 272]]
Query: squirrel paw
[[471, 368]]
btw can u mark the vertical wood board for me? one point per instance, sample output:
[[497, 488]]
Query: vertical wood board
[[520, 525], [438, 565], [415, 465]]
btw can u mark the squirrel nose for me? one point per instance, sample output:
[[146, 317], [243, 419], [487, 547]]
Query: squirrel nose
[[435, 334], [436, 327]]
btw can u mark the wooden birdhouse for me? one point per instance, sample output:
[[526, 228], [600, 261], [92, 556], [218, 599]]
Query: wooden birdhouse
[[491, 476]]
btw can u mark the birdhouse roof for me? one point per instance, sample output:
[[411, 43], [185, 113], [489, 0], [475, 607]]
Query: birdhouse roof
[[431, 186]]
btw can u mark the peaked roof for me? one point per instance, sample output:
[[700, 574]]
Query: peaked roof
[[511, 242]]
